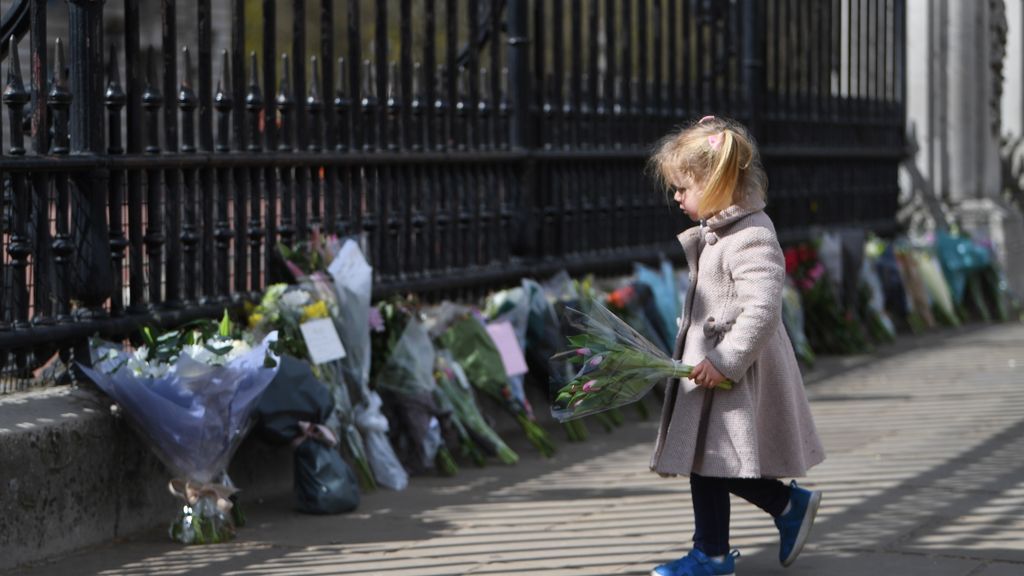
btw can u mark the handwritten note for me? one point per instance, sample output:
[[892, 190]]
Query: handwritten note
[[504, 338], [322, 341]]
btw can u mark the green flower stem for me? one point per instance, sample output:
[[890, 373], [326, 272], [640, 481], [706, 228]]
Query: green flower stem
[[641, 409], [576, 430], [445, 463], [472, 419], [199, 531], [570, 432], [616, 417], [507, 455], [364, 473], [237, 515], [536, 435], [472, 451], [581, 429], [606, 421]]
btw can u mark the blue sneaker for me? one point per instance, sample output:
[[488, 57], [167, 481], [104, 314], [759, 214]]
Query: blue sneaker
[[795, 525], [696, 563]]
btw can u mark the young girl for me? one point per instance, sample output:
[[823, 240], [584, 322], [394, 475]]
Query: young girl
[[742, 440]]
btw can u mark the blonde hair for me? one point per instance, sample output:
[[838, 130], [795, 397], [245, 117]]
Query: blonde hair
[[719, 154]]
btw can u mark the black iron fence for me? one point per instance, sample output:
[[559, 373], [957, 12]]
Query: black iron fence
[[472, 142]]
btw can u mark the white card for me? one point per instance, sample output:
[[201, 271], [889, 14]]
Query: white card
[[322, 341]]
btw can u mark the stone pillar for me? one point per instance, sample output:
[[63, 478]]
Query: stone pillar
[[955, 119], [976, 91], [1013, 70]]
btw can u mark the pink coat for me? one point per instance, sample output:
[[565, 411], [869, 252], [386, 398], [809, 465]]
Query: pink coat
[[733, 317]]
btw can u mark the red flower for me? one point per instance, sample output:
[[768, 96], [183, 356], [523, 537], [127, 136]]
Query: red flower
[[805, 253], [792, 260], [621, 297]]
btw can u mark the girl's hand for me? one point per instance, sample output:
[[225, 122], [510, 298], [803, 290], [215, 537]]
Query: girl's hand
[[706, 375]]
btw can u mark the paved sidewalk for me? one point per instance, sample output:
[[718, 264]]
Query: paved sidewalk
[[925, 475]]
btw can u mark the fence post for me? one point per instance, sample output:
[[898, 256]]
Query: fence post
[[93, 273], [521, 130], [519, 72], [753, 64]]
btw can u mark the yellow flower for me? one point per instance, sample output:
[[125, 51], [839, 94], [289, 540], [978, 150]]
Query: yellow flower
[[313, 311], [255, 319]]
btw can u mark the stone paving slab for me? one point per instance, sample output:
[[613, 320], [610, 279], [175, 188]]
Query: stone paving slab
[[925, 475]]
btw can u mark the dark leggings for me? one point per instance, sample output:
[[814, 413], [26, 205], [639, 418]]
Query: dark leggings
[[711, 506]]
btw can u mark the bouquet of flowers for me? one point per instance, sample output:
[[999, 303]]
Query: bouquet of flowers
[[871, 304], [961, 260], [666, 295], [543, 339], [511, 306], [190, 394], [935, 283], [292, 412], [830, 328], [793, 320], [352, 279], [882, 255], [635, 304], [568, 294], [287, 309], [464, 335], [614, 365], [408, 377], [470, 424], [920, 316]]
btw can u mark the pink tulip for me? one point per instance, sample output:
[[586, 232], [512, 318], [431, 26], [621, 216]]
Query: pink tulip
[[589, 386], [817, 272], [596, 360], [583, 351]]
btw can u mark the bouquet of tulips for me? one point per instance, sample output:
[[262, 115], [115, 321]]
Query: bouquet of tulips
[[614, 365]]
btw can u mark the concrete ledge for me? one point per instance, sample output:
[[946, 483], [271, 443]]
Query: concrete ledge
[[71, 475]]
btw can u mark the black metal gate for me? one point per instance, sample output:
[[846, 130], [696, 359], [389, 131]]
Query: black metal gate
[[473, 142]]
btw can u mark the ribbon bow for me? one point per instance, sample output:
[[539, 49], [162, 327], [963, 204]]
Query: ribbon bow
[[716, 330], [192, 492], [318, 432]]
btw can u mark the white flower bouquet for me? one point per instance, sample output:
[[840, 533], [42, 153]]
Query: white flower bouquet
[[189, 394]]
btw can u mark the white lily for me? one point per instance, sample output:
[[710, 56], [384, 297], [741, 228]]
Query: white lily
[[295, 299]]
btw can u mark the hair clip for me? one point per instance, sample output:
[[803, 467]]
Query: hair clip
[[715, 141], [705, 119]]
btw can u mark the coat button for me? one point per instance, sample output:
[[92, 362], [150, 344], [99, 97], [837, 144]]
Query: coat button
[[710, 238]]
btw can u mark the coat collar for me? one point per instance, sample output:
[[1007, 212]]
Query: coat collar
[[734, 213], [708, 230], [690, 239]]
